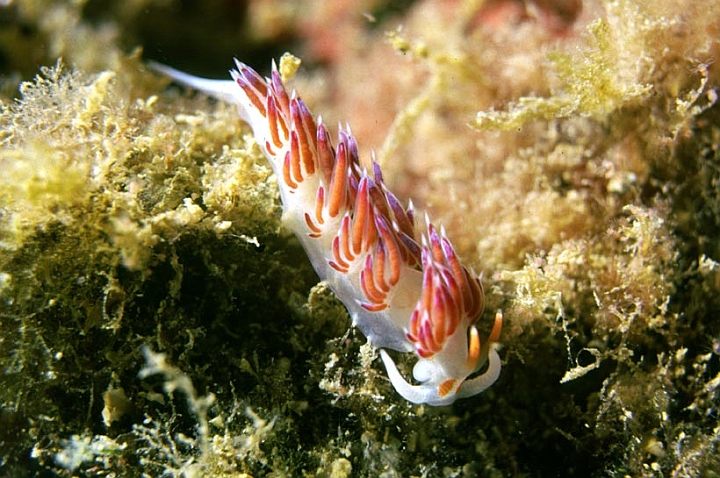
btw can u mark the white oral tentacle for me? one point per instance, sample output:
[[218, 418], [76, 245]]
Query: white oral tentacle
[[412, 393]]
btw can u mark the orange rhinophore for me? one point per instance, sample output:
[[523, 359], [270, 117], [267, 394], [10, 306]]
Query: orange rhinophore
[[406, 291]]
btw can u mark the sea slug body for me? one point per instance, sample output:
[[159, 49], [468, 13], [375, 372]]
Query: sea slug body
[[406, 291]]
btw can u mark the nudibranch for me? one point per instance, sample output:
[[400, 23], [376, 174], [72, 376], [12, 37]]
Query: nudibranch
[[405, 289]]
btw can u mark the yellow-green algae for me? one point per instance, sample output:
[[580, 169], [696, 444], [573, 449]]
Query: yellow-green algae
[[155, 319]]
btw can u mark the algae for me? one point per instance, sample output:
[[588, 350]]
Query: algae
[[156, 319]]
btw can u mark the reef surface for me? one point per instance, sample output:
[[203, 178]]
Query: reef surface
[[155, 319]]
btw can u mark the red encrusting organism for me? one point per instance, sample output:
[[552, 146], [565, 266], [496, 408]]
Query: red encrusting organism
[[405, 290]]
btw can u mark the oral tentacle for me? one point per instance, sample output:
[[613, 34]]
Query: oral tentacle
[[417, 394], [482, 382]]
